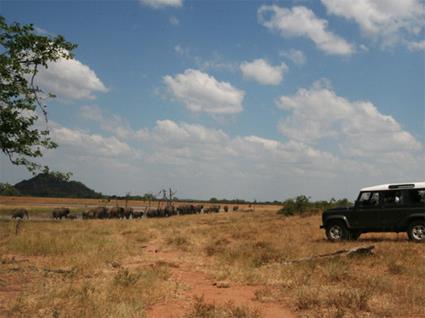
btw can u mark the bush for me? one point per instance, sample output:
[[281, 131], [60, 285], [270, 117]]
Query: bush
[[299, 205], [302, 205], [8, 189]]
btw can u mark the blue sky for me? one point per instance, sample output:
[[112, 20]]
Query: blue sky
[[249, 99]]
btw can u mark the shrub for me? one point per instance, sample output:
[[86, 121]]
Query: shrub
[[301, 205]]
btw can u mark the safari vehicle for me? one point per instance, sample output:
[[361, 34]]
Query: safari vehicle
[[382, 208]]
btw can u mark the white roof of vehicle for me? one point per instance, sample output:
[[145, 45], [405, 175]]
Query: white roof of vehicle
[[404, 185]]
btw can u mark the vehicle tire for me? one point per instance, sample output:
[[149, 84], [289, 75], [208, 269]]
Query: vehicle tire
[[337, 232], [354, 235], [416, 231]]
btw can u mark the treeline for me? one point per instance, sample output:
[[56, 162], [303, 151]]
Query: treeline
[[302, 205]]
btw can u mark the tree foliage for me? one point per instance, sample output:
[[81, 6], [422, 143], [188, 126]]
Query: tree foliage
[[302, 205], [8, 189], [22, 53]]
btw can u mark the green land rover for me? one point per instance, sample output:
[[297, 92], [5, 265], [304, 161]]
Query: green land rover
[[384, 208]]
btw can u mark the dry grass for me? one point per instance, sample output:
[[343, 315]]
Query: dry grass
[[202, 309], [243, 248]]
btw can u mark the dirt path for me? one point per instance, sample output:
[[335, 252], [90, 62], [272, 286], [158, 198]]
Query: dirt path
[[197, 284]]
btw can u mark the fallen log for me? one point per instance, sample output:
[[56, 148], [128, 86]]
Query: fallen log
[[361, 250]]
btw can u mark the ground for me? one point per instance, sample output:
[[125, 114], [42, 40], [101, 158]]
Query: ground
[[234, 264]]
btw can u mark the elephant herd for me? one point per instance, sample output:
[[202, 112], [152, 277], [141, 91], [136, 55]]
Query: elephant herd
[[118, 212], [115, 212]]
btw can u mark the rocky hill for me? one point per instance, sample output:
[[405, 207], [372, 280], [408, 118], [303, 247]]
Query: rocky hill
[[48, 185]]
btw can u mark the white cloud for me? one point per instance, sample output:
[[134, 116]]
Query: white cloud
[[83, 143], [200, 92], [295, 56], [389, 20], [416, 46], [162, 3], [357, 128], [201, 162], [113, 123], [192, 145], [70, 79], [300, 21], [213, 62], [261, 71]]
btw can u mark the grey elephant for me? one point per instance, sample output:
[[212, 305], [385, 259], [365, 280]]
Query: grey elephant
[[60, 213], [116, 212], [128, 213], [100, 212], [20, 214], [137, 214]]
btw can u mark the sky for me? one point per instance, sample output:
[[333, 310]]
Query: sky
[[259, 100]]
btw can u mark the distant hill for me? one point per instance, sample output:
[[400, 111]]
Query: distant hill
[[48, 185]]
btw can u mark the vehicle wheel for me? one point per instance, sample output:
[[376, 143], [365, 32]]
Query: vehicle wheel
[[416, 231], [354, 235], [336, 232]]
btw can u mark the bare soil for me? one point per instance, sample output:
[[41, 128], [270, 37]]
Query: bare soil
[[196, 283]]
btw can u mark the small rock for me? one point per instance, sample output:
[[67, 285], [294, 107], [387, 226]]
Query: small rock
[[115, 264]]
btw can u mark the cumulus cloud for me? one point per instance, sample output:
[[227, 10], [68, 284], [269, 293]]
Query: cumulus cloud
[[295, 56], [262, 72], [95, 145], [416, 46], [113, 123], [388, 20], [157, 4], [187, 144], [302, 22], [203, 161], [200, 92], [70, 79], [358, 128]]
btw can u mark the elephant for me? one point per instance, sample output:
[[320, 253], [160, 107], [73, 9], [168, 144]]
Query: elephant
[[226, 208], [99, 212], [169, 211], [189, 209], [137, 214], [128, 213], [20, 213], [116, 212], [185, 209], [157, 213], [60, 213], [212, 209]]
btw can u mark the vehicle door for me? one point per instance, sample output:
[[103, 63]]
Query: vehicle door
[[394, 208], [367, 212], [414, 201]]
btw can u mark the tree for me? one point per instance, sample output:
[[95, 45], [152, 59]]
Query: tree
[[8, 189], [23, 52]]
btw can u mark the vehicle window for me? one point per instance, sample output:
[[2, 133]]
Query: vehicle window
[[364, 199], [392, 198], [415, 196], [374, 199], [369, 199]]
